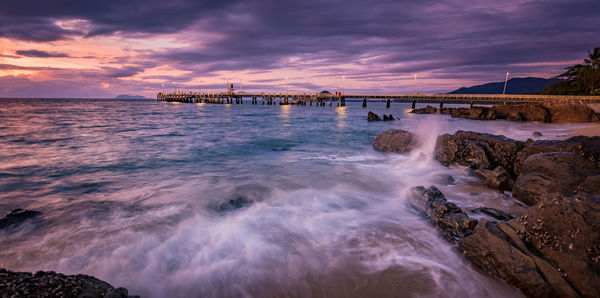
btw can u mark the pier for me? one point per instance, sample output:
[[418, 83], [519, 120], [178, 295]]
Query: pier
[[338, 99]]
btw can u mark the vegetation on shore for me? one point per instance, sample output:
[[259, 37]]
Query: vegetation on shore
[[583, 79]]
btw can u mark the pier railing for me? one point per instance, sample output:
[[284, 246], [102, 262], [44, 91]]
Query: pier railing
[[322, 99]]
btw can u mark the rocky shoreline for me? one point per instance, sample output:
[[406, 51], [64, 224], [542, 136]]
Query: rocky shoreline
[[49, 283], [553, 250], [546, 112]]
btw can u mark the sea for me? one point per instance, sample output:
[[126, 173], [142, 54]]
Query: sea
[[215, 200]]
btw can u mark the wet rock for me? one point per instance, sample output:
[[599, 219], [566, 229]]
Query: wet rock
[[492, 248], [373, 117], [445, 180], [396, 140], [566, 231], [494, 213], [586, 147], [550, 111], [546, 173], [477, 150], [551, 251], [233, 204], [426, 110], [451, 220], [17, 216], [564, 111], [537, 134], [498, 178], [590, 185], [385, 117], [51, 284], [391, 118]]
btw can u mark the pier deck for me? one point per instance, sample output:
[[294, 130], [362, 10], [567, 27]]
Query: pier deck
[[323, 99]]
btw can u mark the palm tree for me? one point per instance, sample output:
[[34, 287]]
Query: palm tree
[[594, 64], [594, 58]]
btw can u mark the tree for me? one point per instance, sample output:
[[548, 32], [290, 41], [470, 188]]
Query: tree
[[583, 78]]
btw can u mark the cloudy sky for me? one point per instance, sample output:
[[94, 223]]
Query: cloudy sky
[[75, 48]]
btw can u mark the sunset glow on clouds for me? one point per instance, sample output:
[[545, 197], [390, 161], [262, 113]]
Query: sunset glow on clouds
[[105, 48]]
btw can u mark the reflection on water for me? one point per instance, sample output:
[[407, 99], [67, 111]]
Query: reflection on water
[[130, 191], [341, 117]]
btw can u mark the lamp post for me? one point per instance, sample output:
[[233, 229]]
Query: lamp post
[[415, 86], [343, 80], [505, 81]]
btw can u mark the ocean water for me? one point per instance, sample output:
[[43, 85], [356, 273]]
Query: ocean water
[[130, 193]]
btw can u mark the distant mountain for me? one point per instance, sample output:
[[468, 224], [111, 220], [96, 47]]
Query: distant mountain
[[126, 96], [514, 86]]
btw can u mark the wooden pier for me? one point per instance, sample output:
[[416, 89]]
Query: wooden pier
[[330, 99]]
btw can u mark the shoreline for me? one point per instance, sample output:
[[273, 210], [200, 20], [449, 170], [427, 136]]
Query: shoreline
[[591, 130]]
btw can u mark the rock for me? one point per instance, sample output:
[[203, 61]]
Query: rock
[[451, 220], [494, 213], [373, 117], [566, 231], [17, 216], [570, 111], [477, 150], [546, 173], [391, 118], [537, 134], [233, 204], [498, 178], [445, 180], [396, 140], [491, 249], [548, 111], [385, 117], [587, 147], [497, 248], [426, 110], [590, 185], [551, 251], [51, 284]]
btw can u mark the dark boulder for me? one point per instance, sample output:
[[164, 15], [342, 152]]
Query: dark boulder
[[385, 117], [565, 111], [522, 112], [51, 284], [453, 223], [587, 147], [549, 111], [553, 250], [396, 140], [477, 150], [498, 178], [233, 204], [566, 231], [17, 216], [426, 110], [546, 173], [493, 213], [498, 249], [391, 118], [373, 117], [590, 185], [537, 134]]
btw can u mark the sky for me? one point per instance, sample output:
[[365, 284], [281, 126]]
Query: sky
[[77, 48]]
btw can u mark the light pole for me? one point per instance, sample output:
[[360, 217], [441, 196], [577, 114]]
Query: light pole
[[505, 81], [343, 80], [415, 86]]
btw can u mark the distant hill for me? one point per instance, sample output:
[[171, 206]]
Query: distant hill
[[126, 96], [514, 86]]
